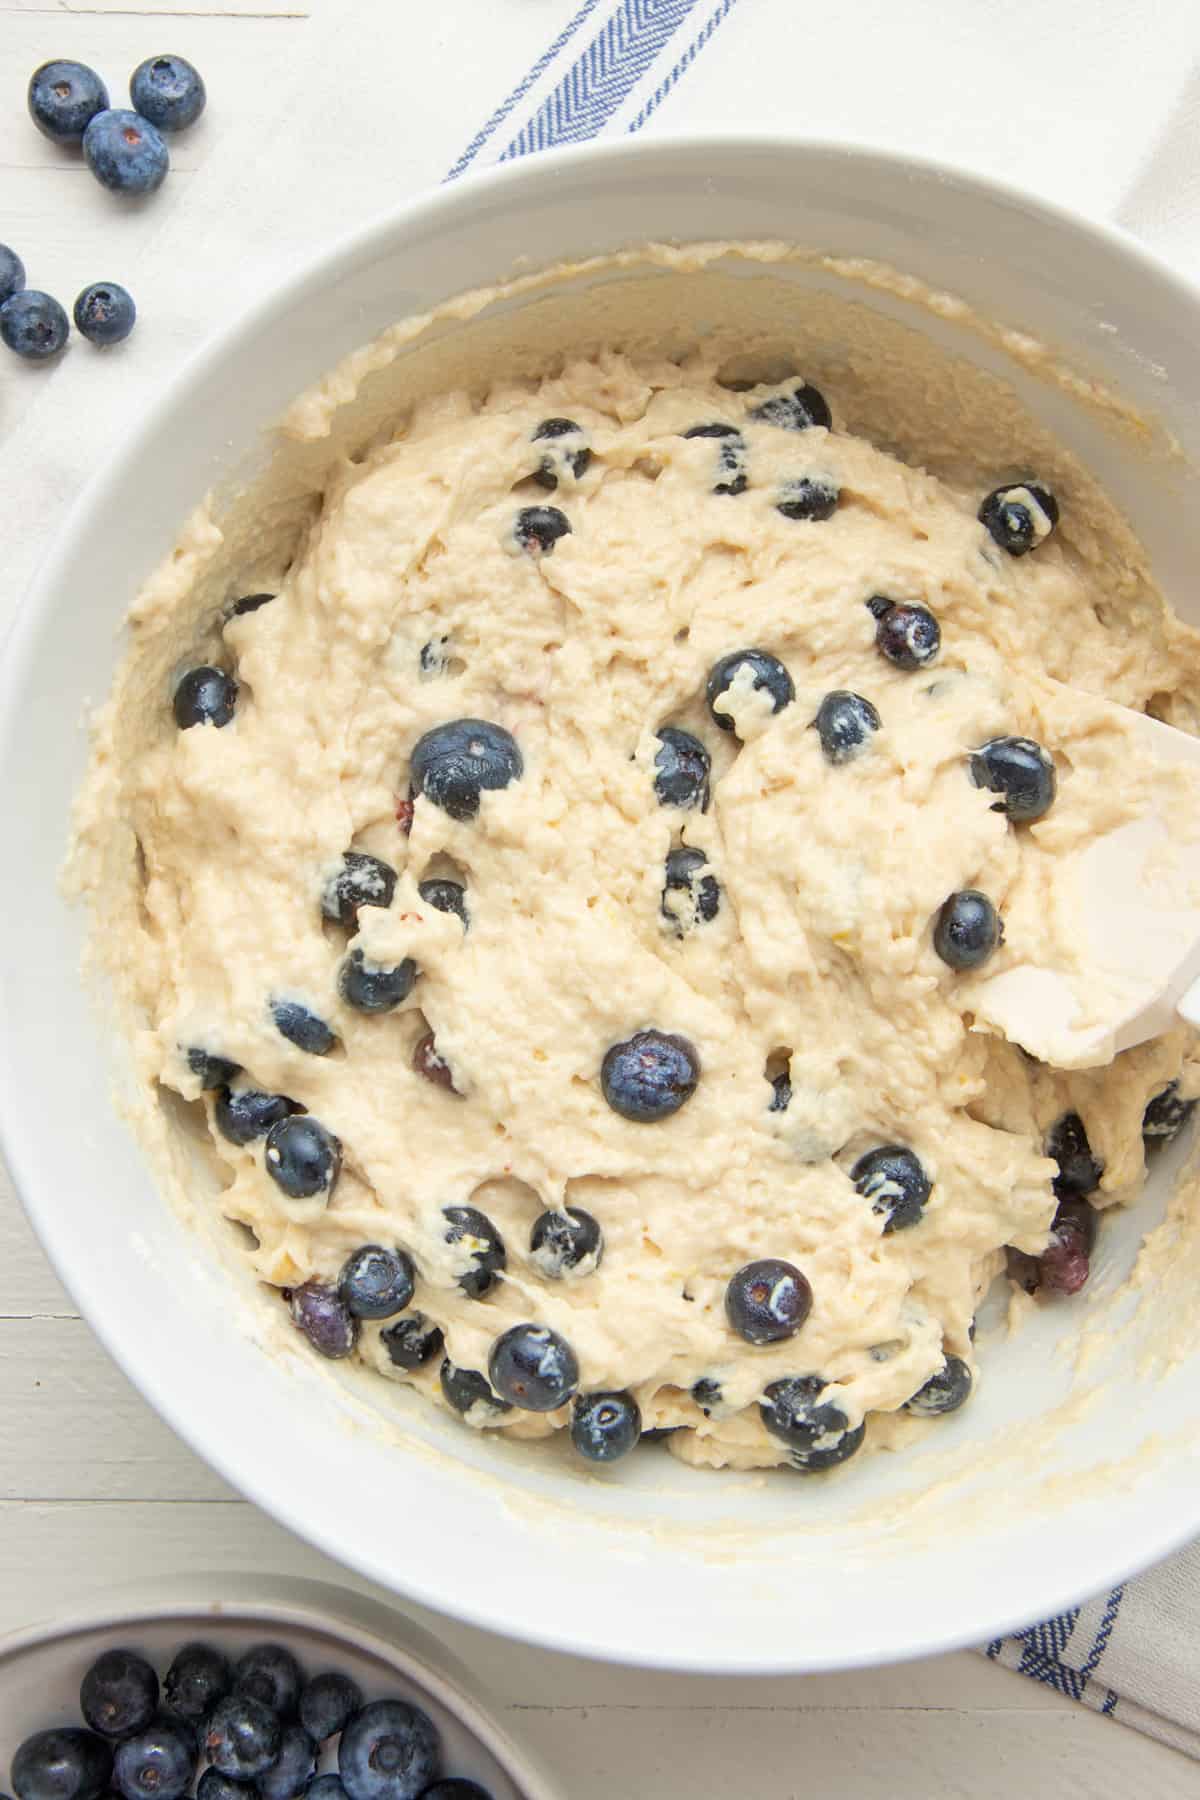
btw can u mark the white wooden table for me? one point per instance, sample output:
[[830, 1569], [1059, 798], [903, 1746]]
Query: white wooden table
[[92, 1484]]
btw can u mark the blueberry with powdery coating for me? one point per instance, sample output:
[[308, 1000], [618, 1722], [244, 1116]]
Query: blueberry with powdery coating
[[119, 1694], [64, 1763], [389, 1751], [376, 1282], [566, 1243], [605, 1427], [454, 764], [242, 1737], [302, 1027], [534, 1368], [158, 1762], [681, 770], [447, 897], [292, 1771], [476, 1233], [908, 635], [320, 1313], [270, 1674], [650, 1075], [807, 498], [63, 98], [845, 724], [967, 930], [361, 880], [169, 91], [1021, 772], [198, 1677], [327, 1704], [12, 273], [371, 989]]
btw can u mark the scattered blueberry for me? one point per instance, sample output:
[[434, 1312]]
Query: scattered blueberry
[[327, 1704], [944, 1392], [369, 989], [808, 498], [270, 1674], [119, 1694], [376, 1283], [242, 1737], [1166, 1115], [457, 1787], [33, 325], [650, 1075], [197, 1678], [453, 764], [479, 1237], [302, 1156], [803, 408], [64, 98], [125, 153], [893, 1179], [12, 273], [708, 1395], [467, 1388], [538, 528], [244, 1114], [731, 457], [1021, 772], [361, 880], [157, 1763], [845, 724], [534, 1368], [968, 929], [292, 1771], [428, 1061], [685, 874], [212, 1785], [767, 1301], [565, 1243], [781, 1096], [211, 1071], [434, 659], [769, 676], [816, 1432], [250, 603], [389, 1751], [908, 635], [205, 696], [1079, 1170], [682, 769], [605, 1427], [319, 1311], [105, 313], [412, 1341], [445, 896], [1020, 517], [574, 456], [1065, 1264], [168, 91], [63, 1764], [302, 1027]]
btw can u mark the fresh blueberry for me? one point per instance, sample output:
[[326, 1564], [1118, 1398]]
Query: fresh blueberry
[[1021, 772], [781, 1096], [361, 880], [808, 498], [685, 875], [125, 152], [105, 313], [467, 1388], [944, 1392], [33, 325], [908, 635], [157, 1763], [244, 1114], [205, 696], [168, 91], [64, 98], [457, 1787], [1021, 516], [803, 408], [767, 1301], [446, 896], [708, 1395], [212, 1071], [1065, 1264], [389, 1751], [845, 724], [302, 1027], [453, 764], [412, 1341], [325, 1787], [242, 1737], [817, 1433], [566, 1243], [537, 529], [650, 1075], [376, 1283], [270, 1674], [119, 1694], [893, 1179], [731, 457], [319, 1311], [1166, 1115], [293, 1769], [1079, 1171], [534, 1368], [327, 1704], [302, 1156], [605, 1427], [250, 603], [429, 1062], [468, 1227], [968, 929], [12, 273], [369, 989], [212, 1785], [197, 1678], [559, 457], [682, 769], [63, 1764], [765, 673]]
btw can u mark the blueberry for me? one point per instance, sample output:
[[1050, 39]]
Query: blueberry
[[212, 1785], [270, 1674], [376, 1283], [817, 1433], [808, 498], [412, 1341], [944, 1392], [605, 1427], [428, 1061], [538, 528], [1021, 516], [250, 603], [453, 764], [12, 273], [168, 91], [157, 1763], [650, 1075], [968, 929], [845, 724], [565, 1243], [482, 1242], [1065, 1264], [212, 1071], [33, 325], [446, 896], [205, 696], [1079, 1171], [731, 457], [1166, 1115], [684, 874], [325, 1787], [1021, 772], [197, 1678], [781, 1096], [242, 1737], [105, 313], [244, 1114], [389, 1751], [302, 1027], [767, 1301], [125, 152], [319, 1311], [293, 1769], [574, 456], [302, 1157], [361, 880], [369, 989], [908, 635], [893, 1179], [708, 1395], [63, 1764], [327, 1703], [119, 1694], [533, 1368], [434, 658], [765, 673], [64, 98], [465, 1389], [456, 1788], [682, 769], [803, 408]]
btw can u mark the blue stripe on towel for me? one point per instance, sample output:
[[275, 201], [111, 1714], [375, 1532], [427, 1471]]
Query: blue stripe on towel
[[522, 88], [683, 65]]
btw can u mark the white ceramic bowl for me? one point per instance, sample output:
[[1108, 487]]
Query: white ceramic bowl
[[1012, 1509]]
